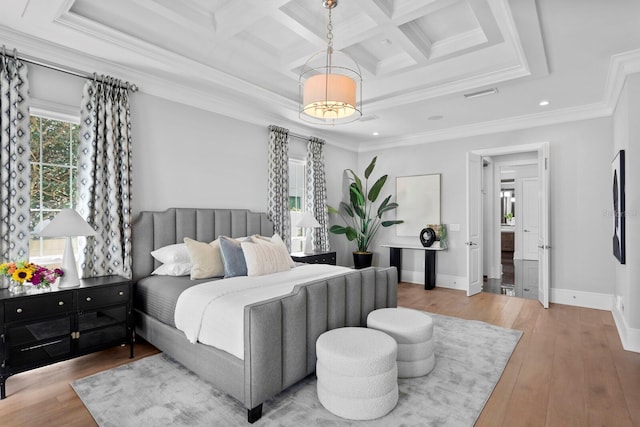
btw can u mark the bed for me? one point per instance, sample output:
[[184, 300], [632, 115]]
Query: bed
[[279, 333]]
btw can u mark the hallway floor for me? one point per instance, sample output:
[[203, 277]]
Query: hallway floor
[[519, 278]]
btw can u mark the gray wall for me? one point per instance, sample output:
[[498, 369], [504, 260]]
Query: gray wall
[[184, 156], [188, 157], [627, 276], [580, 191]]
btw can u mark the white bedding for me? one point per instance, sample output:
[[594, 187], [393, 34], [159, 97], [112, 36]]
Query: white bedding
[[213, 312]]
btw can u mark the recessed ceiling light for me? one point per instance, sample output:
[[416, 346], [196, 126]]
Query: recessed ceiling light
[[543, 103], [436, 117], [375, 134]]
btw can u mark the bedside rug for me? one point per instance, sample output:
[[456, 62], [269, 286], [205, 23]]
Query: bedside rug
[[157, 391]]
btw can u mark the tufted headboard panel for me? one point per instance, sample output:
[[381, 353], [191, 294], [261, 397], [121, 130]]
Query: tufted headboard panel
[[153, 230]]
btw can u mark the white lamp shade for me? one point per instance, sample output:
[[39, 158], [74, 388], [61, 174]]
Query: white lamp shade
[[329, 96], [67, 223], [308, 221]]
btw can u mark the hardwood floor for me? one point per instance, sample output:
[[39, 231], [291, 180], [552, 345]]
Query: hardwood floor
[[569, 368], [43, 397]]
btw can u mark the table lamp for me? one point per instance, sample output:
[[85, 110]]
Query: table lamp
[[68, 223], [308, 221]]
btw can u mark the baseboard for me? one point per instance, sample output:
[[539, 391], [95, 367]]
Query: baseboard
[[594, 300], [451, 282], [581, 299], [442, 280], [630, 337]]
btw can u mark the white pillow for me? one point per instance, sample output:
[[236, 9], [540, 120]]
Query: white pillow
[[276, 240], [264, 258], [173, 269], [206, 259], [172, 254]]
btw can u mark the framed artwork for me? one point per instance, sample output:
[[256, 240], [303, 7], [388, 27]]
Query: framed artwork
[[617, 171]]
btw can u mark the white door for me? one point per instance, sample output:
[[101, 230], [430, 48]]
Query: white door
[[474, 224], [544, 229], [530, 218]]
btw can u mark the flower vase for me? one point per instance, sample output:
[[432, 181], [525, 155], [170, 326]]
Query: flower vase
[[16, 287]]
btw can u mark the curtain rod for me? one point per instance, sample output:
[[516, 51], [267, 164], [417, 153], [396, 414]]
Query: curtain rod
[[297, 135], [304, 137], [61, 68]]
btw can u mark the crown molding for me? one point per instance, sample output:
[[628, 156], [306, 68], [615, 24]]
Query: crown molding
[[546, 118], [169, 61], [621, 66], [209, 96]]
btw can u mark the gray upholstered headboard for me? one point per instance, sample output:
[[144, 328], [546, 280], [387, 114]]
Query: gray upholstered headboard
[[153, 230]]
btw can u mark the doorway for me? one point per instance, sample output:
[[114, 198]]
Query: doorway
[[510, 213], [508, 220]]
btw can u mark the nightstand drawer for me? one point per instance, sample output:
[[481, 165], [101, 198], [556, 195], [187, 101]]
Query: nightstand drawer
[[329, 258], [315, 258], [102, 296], [37, 306]]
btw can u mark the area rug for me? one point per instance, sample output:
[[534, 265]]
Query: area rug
[[157, 391]]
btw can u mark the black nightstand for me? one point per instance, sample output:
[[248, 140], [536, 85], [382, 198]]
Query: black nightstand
[[44, 328], [318, 257]]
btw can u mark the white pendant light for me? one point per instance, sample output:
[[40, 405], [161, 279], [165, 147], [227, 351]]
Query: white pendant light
[[330, 84]]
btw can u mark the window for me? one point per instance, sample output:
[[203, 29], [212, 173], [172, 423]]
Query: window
[[296, 201], [54, 164]]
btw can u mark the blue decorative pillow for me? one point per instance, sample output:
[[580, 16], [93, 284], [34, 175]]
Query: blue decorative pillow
[[232, 257]]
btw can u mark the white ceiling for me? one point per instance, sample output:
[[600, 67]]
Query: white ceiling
[[419, 57]]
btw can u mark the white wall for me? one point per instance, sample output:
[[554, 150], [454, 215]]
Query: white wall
[[580, 167], [188, 157], [626, 309]]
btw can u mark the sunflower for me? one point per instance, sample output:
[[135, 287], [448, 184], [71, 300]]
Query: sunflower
[[22, 275]]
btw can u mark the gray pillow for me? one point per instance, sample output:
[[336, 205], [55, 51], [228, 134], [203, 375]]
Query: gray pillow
[[232, 257]]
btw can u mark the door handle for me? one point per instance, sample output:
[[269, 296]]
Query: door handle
[[470, 243], [526, 231]]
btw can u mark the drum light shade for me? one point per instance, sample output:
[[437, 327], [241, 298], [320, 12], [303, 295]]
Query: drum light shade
[[329, 96], [330, 84]]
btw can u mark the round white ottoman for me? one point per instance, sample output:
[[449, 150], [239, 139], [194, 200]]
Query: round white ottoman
[[357, 373], [413, 331]]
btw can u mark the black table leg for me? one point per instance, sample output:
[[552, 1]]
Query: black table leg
[[395, 260], [429, 270]]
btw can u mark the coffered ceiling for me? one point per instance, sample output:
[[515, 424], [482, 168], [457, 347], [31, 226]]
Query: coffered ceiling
[[418, 57]]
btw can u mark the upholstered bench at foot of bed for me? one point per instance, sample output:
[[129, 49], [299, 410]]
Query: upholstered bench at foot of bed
[[413, 331], [357, 373]]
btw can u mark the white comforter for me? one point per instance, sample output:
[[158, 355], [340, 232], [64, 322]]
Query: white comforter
[[213, 312]]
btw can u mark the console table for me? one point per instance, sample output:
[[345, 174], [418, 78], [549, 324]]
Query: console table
[[395, 260]]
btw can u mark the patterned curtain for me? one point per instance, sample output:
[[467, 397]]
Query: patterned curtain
[[316, 192], [278, 209], [104, 178], [14, 155]]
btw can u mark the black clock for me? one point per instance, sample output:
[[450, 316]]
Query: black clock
[[427, 237]]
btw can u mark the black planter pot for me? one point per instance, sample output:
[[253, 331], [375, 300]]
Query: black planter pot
[[362, 259]]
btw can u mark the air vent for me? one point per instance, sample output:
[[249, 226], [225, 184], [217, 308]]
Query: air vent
[[485, 92], [369, 118]]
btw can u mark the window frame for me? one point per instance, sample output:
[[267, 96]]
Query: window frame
[[44, 110], [297, 233]]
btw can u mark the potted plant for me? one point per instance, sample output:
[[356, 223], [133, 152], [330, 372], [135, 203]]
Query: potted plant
[[362, 218]]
